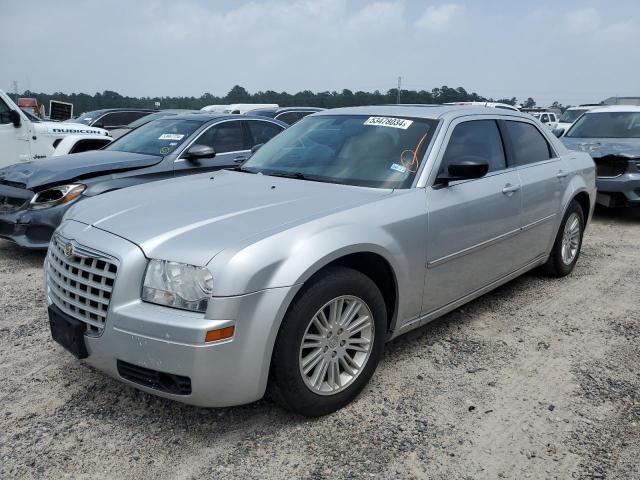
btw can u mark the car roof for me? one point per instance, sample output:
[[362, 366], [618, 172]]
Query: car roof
[[616, 108], [205, 117], [426, 111], [123, 109]]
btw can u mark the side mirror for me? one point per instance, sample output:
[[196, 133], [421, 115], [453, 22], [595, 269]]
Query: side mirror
[[14, 117], [255, 148], [198, 151], [464, 170], [558, 132], [98, 125]]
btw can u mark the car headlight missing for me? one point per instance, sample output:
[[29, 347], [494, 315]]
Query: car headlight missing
[[177, 285], [56, 196]]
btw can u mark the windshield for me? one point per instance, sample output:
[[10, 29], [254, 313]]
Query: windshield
[[570, 116], [380, 152], [87, 117], [148, 118], [160, 137], [606, 125]]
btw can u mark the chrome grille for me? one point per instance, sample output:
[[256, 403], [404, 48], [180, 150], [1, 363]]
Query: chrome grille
[[80, 282]]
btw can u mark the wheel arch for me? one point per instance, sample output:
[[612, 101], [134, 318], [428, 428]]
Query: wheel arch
[[373, 265]]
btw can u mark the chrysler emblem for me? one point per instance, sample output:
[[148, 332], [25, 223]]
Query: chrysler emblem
[[68, 249]]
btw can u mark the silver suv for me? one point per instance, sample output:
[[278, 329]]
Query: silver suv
[[288, 274]]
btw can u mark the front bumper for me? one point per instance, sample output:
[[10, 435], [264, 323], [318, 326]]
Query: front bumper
[[170, 341], [620, 190], [31, 228]]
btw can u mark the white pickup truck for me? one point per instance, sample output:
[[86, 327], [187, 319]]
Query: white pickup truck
[[25, 137]]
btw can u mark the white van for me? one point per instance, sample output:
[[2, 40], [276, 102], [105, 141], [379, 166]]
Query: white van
[[25, 137], [241, 108], [215, 108]]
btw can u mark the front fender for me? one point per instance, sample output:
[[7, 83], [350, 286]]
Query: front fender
[[279, 262], [292, 255]]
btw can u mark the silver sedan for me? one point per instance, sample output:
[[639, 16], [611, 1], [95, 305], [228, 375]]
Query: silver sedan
[[289, 273]]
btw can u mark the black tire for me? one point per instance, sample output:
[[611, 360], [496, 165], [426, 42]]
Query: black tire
[[556, 266], [286, 384]]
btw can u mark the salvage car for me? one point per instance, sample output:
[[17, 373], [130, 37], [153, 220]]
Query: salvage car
[[24, 137], [35, 195], [289, 273], [611, 135]]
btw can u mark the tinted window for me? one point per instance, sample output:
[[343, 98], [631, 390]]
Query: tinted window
[[570, 116], [544, 118], [4, 112], [262, 132], [116, 119], [224, 137], [606, 125], [477, 141], [288, 117], [528, 143]]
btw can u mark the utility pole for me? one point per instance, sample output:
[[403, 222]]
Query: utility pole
[[14, 84], [398, 91]]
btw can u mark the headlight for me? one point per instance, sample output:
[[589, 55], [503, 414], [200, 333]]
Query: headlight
[[56, 196], [177, 285]]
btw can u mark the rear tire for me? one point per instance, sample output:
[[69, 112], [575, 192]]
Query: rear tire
[[566, 248], [329, 344]]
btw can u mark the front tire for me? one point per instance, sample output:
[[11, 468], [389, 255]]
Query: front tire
[[566, 248], [329, 344]]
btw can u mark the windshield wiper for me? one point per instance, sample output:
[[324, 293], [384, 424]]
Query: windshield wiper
[[240, 168], [296, 175]]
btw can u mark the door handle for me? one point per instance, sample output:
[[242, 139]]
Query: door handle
[[510, 189], [562, 174], [240, 159]]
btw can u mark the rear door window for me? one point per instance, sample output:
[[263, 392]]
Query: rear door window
[[477, 141], [529, 145]]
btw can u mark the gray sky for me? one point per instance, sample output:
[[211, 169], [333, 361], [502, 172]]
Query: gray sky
[[571, 51]]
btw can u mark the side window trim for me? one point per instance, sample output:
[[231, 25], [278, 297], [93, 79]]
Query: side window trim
[[462, 121], [206, 129], [553, 156]]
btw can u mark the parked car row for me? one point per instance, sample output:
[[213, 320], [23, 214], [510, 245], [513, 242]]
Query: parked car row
[[287, 269]]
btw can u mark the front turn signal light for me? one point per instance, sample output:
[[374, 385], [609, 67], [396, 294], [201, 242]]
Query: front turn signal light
[[219, 334]]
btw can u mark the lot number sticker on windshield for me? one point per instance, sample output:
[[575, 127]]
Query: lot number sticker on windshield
[[389, 122], [170, 136]]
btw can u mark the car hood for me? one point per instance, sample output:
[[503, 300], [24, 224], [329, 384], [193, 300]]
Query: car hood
[[602, 147], [191, 219], [57, 170], [61, 129]]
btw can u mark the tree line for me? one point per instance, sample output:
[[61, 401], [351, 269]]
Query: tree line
[[83, 102]]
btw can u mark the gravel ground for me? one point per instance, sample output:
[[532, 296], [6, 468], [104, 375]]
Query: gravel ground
[[538, 379]]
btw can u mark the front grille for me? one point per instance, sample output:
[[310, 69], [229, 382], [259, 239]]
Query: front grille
[[10, 204], [80, 284], [165, 382], [610, 166], [13, 184]]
